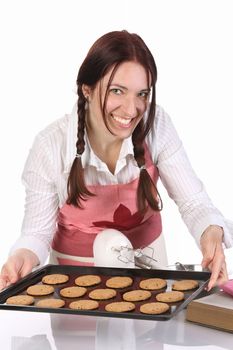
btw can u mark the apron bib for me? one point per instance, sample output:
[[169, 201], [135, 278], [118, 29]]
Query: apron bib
[[113, 206]]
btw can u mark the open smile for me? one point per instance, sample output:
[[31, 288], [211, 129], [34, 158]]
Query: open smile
[[122, 121]]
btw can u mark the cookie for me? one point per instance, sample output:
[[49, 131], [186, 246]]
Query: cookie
[[20, 300], [170, 297], [119, 282], [56, 278], [153, 283], [84, 305], [154, 308], [121, 306], [73, 292], [51, 303], [102, 294], [87, 280], [185, 285], [40, 289], [137, 295]]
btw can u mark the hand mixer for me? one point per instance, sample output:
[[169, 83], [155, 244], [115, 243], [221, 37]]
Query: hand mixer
[[113, 249]]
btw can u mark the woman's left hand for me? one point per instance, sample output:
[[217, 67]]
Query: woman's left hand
[[213, 255]]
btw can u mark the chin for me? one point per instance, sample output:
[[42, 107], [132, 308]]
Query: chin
[[123, 133]]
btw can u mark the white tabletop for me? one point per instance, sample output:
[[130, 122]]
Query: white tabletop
[[21, 330]]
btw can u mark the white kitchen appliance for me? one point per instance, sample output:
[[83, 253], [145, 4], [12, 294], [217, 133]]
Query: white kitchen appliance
[[113, 249]]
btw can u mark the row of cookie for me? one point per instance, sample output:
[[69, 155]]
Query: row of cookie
[[120, 282], [122, 306], [103, 293], [96, 294]]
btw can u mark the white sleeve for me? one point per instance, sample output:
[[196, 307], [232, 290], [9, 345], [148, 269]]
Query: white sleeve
[[41, 203], [181, 182]]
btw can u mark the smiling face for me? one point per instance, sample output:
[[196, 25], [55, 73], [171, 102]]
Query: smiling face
[[127, 99]]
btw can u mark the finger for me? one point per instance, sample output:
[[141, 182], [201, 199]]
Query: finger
[[10, 271], [216, 267], [223, 276], [26, 269], [208, 255], [207, 249], [223, 279], [3, 282], [210, 249]]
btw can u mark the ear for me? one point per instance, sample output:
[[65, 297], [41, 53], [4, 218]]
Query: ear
[[86, 90]]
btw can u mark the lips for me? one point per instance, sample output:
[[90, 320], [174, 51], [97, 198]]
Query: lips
[[121, 120]]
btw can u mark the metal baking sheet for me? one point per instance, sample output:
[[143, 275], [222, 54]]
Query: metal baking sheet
[[105, 273]]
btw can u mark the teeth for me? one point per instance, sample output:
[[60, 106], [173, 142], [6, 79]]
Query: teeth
[[122, 120]]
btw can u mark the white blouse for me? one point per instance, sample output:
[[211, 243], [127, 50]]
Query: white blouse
[[47, 168]]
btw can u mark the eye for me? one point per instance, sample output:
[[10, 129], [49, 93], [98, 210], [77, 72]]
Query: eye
[[116, 91], [144, 94]]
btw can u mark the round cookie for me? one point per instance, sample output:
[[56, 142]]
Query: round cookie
[[185, 285], [84, 305], [121, 306], [73, 292], [55, 278], [154, 308], [50, 303], [102, 294], [119, 282], [170, 297], [40, 289], [87, 280], [20, 300], [153, 283], [137, 295]]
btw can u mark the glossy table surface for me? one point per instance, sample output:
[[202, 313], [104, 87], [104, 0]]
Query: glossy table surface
[[22, 330]]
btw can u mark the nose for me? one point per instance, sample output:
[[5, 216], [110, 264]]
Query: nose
[[130, 107]]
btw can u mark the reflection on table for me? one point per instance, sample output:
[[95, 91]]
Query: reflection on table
[[91, 333]]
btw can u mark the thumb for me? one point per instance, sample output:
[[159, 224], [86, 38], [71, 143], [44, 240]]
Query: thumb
[[11, 274], [3, 283], [26, 269]]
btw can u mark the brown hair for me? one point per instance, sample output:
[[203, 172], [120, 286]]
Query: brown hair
[[108, 52]]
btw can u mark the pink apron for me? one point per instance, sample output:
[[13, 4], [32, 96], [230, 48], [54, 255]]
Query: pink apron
[[114, 206]]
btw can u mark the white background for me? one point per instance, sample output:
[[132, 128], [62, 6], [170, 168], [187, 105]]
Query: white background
[[42, 45]]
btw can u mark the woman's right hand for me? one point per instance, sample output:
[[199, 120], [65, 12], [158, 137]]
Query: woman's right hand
[[17, 266]]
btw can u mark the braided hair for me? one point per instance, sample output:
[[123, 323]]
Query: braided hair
[[107, 53]]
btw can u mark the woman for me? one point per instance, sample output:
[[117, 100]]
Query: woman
[[98, 168]]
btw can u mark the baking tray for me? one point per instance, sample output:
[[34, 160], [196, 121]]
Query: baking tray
[[105, 273]]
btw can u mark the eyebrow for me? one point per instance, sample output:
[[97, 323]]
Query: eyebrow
[[125, 88]]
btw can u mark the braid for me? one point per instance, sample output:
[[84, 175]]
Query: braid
[[80, 144], [147, 193], [76, 187]]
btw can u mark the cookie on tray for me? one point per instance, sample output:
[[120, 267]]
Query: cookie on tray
[[121, 306], [73, 292], [119, 282], [155, 308], [87, 280], [40, 290], [185, 285], [51, 303], [102, 294], [153, 283], [20, 300], [137, 295], [84, 305], [55, 278], [170, 297]]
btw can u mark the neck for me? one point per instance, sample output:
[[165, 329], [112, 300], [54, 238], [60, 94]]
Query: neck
[[102, 143], [106, 148]]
